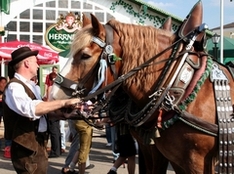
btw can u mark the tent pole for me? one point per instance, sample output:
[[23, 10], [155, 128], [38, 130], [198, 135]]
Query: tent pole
[[221, 31], [2, 68]]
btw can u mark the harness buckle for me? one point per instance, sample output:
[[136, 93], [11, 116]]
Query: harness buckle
[[78, 92], [168, 103]]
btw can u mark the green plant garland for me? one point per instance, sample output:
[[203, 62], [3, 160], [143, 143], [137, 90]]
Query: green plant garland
[[141, 15], [201, 81]]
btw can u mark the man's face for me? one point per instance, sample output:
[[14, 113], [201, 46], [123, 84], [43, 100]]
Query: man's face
[[55, 70], [33, 65], [3, 83]]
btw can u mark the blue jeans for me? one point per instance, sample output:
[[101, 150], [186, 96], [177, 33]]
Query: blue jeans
[[108, 133], [113, 140], [7, 143], [74, 144]]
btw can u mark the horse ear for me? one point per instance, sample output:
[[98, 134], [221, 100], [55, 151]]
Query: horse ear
[[86, 21], [167, 24], [97, 27], [193, 20]]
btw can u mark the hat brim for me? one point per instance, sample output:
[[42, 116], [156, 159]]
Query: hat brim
[[22, 57]]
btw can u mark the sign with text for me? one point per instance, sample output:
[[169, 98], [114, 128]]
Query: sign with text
[[60, 35]]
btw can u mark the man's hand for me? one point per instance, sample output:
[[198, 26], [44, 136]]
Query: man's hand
[[72, 103]]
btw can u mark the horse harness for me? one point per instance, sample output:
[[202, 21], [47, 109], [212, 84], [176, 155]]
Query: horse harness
[[163, 98], [225, 120]]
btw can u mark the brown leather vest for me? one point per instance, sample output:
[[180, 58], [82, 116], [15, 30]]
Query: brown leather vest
[[18, 128]]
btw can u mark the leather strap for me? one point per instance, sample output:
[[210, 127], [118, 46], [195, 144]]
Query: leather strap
[[225, 120]]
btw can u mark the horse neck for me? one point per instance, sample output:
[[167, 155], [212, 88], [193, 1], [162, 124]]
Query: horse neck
[[138, 50]]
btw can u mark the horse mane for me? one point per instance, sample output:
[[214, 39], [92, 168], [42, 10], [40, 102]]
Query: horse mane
[[140, 43]]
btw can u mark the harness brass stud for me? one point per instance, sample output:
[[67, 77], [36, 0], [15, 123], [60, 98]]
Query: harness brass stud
[[229, 130], [225, 130], [221, 131], [222, 109], [230, 108]]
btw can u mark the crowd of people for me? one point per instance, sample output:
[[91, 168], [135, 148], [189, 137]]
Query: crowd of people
[[30, 120]]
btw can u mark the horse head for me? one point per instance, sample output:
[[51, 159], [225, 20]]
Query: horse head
[[93, 59]]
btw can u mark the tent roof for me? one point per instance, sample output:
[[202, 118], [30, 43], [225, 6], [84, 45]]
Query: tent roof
[[228, 44], [228, 59]]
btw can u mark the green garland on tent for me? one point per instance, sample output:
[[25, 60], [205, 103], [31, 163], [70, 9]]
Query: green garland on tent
[[142, 15]]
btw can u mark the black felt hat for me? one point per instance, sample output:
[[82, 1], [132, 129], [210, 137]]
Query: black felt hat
[[21, 54]]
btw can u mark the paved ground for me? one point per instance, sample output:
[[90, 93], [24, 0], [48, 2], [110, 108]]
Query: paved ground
[[100, 156]]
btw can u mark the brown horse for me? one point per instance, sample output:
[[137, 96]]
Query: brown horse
[[177, 92]]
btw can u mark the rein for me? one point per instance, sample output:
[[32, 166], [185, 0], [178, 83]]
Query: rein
[[77, 88], [108, 52], [123, 77]]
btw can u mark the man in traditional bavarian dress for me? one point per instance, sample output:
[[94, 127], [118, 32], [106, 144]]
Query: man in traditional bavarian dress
[[24, 114]]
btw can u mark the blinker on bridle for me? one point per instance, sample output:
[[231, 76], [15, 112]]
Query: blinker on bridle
[[68, 84]]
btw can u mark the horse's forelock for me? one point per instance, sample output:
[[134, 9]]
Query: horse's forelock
[[81, 39]]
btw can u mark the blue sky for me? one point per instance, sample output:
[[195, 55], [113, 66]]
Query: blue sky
[[211, 10]]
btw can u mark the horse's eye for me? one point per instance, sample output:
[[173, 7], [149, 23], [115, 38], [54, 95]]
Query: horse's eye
[[85, 56]]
